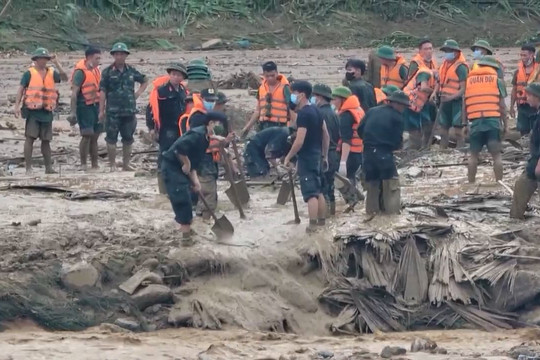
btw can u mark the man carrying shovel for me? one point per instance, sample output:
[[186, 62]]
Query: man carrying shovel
[[179, 168], [311, 145]]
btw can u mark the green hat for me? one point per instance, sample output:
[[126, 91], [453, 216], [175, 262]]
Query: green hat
[[322, 90], [386, 52], [119, 47], [178, 67], [482, 44], [221, 98], [451, 45], [399, 97], [389, 89], [41, 53], [489, 61], [342, 92], [533, 89]]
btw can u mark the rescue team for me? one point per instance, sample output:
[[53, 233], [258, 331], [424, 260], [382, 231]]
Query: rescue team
[[350, 131]]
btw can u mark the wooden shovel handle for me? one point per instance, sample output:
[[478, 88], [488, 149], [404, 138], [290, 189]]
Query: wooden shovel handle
[[238, 160], [228, 173], [295, 205], [207, 206]]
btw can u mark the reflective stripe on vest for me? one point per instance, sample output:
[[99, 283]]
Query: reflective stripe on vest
[[379, 95], [418, 96], [352, 105], [448, 76], [90, 86], [41, 91], [482, 96], [272, 105], [183, 123], [522, 80], [391, 76]]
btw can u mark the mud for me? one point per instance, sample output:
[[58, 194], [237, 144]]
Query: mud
[[254, 281]]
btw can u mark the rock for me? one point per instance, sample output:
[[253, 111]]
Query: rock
[[526, 288], [324, 354], [151, 295], [422, 344], [128, 324], [414, 172], [35, 222], [180, 318], [80, 275], [255, 279], [111, 328], [441, 351], [297, 296], [150, 264], [154, 309], [528, 351], [131, 284], [390, 351]]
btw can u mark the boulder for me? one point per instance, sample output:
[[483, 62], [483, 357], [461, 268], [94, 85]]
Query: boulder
[[180, 318], [151, 295], [390, 351], [131, 284], [422, 344], [128, 324], [79, 276]]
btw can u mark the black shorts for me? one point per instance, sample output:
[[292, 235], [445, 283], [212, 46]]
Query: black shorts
[[309, 172], [378, 164], [179, 190]]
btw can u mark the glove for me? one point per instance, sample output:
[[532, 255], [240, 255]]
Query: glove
[[343, 168]]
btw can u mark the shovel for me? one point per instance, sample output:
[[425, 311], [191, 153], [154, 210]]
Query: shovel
[[284, 192], [345, 188], [222, 226], [295, 206], [232, 192]]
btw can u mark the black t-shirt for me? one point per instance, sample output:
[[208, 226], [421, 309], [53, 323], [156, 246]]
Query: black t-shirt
[[346, 122], [364, 92], [382, 128], [192, 144], [310, 118], [196, 119], [171, 104], [332, 124]]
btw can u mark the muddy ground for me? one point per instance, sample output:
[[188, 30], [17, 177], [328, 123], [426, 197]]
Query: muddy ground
[[254, 281]]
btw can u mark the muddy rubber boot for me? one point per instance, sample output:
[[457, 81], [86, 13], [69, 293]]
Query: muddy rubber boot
[[332, 209], [373, 196], [126, 158], [161, 184], [187, 239], [312, 226], [523, 191], [111, 153], [391, 195], [47, 157]]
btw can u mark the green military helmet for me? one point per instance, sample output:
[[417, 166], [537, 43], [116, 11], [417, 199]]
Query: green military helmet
[[119, 47], [489, 61], [386, 52], [342, 92], [450, 45], [389, 89], [322, 90], [177, 67], [41, 53], [399, 97], [483, 44], [533, 89]]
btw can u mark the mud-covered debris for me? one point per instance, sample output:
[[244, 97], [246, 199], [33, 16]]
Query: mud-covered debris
[[325, 354], [411, 278], [422, 344], [128, 324], [414, 172], [210, 44], [242, 80], [151, 295], [79, 276], [524, 350], [531, 316], [180, 318], [390, 351], [131, 284], [297, 296], [35, 222]]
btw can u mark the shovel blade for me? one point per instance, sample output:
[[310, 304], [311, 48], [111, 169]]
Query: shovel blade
[[241, 191], [284, 193], [223, 227]]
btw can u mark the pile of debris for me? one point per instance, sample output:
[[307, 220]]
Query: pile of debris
[[242, 80]]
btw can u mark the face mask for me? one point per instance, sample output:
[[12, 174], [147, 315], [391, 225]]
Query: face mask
[[313, 100], [449, 56], [477, 54], [333, 107], [294, 99], [209, 105], [349, 75]]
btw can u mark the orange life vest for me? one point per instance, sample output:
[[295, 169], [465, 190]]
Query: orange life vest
[[41, 91], [418, 96], [90, 86], [153, 99], [482, 96], [198, 106], [449, 79], [379, 95], [277, 109], [432, 65], [352, 105], [391, 76], [522, 80], [183, 120]]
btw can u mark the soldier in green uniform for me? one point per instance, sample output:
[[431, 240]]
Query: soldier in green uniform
[[39, 96], [118, 103]]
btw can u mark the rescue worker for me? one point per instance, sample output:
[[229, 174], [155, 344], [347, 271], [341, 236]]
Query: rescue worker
[[39, 97], [449, 91], [382, 133], [383, 93], [179, 164], [527, 183], [322, 95], [393, 67], [221, 102], [417, 118], [310, 146], [183, 121], [118, 104], [524, 74], [482, 48], [273, 98], [350, 146], [355, 70], [264, 149], [424, 60], [85, 105], [486, 112], [170, 107]]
